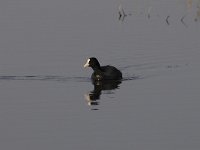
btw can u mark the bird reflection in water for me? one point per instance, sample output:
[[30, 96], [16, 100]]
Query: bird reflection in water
[[93, 96]]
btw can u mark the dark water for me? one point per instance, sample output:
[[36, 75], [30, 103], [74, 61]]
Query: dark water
[[47, 100]]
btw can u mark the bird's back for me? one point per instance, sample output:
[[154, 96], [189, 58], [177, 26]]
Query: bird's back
[[108, 73]]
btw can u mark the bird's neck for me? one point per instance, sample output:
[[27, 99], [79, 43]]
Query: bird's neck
[[97, 68]]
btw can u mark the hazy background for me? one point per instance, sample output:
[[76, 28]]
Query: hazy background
[[44, 88]]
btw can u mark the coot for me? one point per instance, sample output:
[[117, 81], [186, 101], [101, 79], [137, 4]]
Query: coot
[[103, 72]]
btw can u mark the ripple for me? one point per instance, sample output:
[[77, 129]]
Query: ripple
[[129, 78], [57, 78], [44, 78]]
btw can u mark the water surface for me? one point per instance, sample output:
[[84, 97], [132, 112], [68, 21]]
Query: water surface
[[47, 100]]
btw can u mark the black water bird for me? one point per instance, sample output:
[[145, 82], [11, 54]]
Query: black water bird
[[103, 72]]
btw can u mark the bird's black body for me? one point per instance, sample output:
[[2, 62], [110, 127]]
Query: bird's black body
[[103, 72], [106, 73]]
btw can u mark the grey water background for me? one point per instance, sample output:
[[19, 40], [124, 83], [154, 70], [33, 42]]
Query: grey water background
[[44, 90]]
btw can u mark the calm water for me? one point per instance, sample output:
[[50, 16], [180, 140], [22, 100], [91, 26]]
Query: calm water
[[47, 100]]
